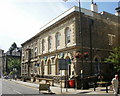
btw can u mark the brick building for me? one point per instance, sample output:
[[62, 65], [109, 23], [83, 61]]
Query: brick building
[[61, 38]]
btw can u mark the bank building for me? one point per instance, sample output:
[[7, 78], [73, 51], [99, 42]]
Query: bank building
[[83, 39]]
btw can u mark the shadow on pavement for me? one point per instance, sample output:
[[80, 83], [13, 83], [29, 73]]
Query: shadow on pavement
[[84, 92]]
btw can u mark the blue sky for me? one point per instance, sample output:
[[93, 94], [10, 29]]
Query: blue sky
[[22, 19]]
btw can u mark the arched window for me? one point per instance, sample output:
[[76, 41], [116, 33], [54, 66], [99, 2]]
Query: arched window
[[67, 35], [42, 68], [49, 67], [43, 45], [32, 52], [23, 55], [57, 39], [56, 67], [49, 42], [36, 50], [97, 63]]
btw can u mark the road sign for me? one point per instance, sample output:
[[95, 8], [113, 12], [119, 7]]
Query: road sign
[[63, 64]]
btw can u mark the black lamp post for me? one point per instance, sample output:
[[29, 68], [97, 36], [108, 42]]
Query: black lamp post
[[90, 30], [81, 39], [81, 44]]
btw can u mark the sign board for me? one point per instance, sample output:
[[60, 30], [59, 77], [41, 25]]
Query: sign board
[[63, 64], [44, 87]]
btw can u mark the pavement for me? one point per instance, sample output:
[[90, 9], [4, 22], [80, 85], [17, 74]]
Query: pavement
[[0, 86], [57, 90]]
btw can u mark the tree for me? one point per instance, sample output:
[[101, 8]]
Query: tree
[[114, 57], [13, 46], [13, 60], [14, 63]]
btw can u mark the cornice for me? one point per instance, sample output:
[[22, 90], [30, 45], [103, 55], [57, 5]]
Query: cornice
[[56, 24]]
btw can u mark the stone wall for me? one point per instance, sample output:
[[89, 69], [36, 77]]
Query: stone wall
[[99, 26]]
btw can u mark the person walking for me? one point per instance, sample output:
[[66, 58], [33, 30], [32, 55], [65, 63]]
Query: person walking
[[115, 84]]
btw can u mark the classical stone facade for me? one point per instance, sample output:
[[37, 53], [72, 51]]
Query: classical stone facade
[[61, 38]]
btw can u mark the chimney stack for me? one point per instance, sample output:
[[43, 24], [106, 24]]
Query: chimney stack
[[94, 7]]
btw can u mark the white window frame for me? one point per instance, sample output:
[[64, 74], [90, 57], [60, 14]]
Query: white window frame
[[43, 45], [49, 43], [57, 38], [111, 39], [36, 50], [67, 35]]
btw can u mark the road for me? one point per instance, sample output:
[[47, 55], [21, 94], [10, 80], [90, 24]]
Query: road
[[18, 89], [10, 87]]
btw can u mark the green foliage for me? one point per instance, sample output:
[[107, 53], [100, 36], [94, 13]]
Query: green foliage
[[5, 73], [11, 73], [13, 46], [14, 63], [114, 57]]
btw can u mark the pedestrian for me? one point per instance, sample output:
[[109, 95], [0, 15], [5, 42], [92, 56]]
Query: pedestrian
[[115, 84], [15, 76]]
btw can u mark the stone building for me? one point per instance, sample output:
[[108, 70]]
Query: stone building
[[85, 39]]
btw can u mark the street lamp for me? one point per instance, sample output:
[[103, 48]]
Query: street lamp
[[81, 35]]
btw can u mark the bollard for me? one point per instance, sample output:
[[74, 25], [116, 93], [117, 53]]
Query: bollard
[[94, 86], [106, 88], [118, 90]]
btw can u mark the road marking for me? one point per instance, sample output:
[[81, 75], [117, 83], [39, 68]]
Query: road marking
[[28, 86], [10, 88], [17, 92]]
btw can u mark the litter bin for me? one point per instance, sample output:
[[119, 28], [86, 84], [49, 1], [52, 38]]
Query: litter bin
[[72, 83]]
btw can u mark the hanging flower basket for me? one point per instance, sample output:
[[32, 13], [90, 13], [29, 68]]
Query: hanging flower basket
[[86, 55], [78, 55]]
